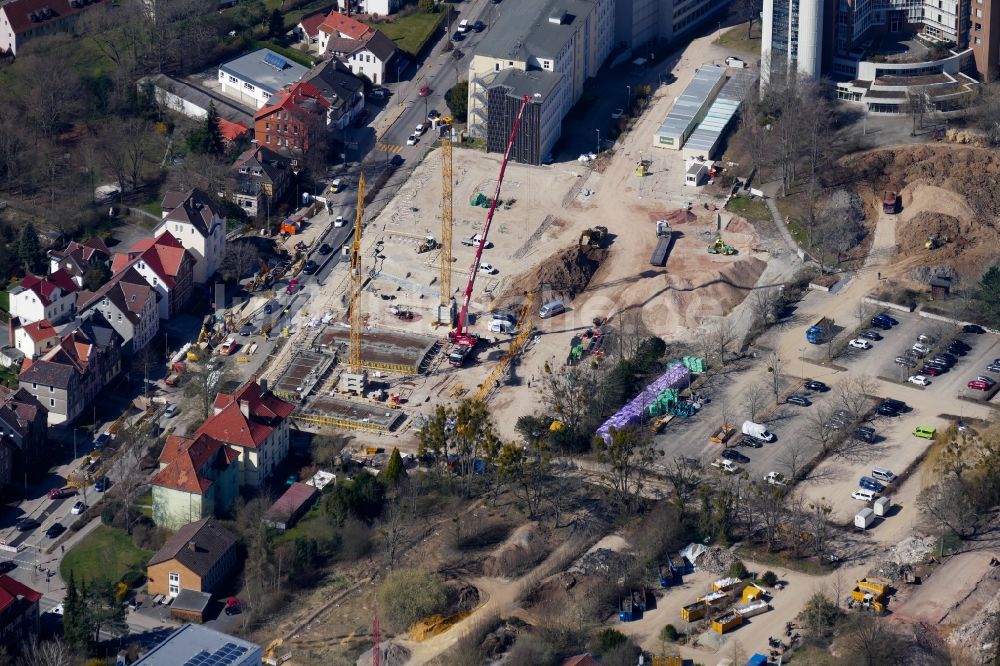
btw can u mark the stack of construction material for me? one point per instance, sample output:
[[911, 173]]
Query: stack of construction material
[[676, 376]]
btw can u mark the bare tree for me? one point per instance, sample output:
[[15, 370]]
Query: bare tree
[[872, 643], [684, 476], [818, 523], [774, 365], [241, 258], [764, 302], [204, 383], [855, 395], [51, 652], [793, 457], [133, 444], [948, 504], [769, 510], [627, 458], [749, 11], [394, 531], [754, 399], [820, 432], [722, 335]]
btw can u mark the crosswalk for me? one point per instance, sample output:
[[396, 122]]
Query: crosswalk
[[388, 147]]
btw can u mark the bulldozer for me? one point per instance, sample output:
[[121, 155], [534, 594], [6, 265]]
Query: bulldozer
[[427, 245], [719, 247], [934, 241], [594, 237]]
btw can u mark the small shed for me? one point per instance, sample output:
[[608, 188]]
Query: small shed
[[940, 288], [190, 605], [291, 506]]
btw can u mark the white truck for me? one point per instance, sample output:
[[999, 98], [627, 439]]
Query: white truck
[[473, 241], [725, 465], [757, 431]]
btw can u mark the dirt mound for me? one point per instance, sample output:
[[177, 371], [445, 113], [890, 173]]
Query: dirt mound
[[716, 560], [924, 224], [523, 548], [462, 597], [604, 563], [567, 273], [906, 553]]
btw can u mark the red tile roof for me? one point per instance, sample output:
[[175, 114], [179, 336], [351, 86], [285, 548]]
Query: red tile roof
[[185, 458], [336, 22], [40, 330], [11, 589], [295, 100], [266, 412], [164, 255], [46, 288], [232, 131], [310, 24], [581, 660], [19, 12]]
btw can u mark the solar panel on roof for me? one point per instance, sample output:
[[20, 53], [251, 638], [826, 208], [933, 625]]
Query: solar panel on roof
[[275, 60]]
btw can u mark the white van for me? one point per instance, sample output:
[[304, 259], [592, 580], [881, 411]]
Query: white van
[[551, 309], [757, 431], [883, 474], [864, 495], [501, 326], [463, 27]]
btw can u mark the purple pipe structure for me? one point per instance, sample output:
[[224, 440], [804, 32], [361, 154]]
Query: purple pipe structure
[[677, 376]]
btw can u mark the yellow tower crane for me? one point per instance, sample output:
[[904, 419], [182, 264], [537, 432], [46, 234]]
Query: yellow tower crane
[[447, 183], [524, 331], [354, 357]]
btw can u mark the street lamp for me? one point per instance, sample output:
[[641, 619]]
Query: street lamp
[[628, 99], [598, 141]]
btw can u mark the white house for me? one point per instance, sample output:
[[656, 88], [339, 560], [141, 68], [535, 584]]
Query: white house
[[380, 7], [24, 20], [36, 338], [52, 297], [255, 77], [193, 219], [363, 49]]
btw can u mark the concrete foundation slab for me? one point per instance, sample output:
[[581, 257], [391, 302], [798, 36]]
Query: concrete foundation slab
[[302, 374], [392, 351], [352, 414]]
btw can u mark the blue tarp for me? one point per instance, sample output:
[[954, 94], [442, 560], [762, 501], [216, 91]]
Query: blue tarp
[[757, 660]]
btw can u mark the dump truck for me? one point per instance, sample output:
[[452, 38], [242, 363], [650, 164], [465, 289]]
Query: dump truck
[[871, 593], [722, 435], [820, 332], [890, 203], [664, 237], [723, 623]]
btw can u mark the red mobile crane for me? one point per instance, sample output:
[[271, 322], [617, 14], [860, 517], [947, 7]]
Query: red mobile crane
[[463, 339]]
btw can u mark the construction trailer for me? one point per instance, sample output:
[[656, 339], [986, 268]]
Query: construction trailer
[[864, 518], [881, 506]]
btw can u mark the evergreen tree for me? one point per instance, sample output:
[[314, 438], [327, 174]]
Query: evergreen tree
[[989, 295], [213, 133], [394, 471], [276, 23], [104, 611], [76, 623], [96, 276], [29, 250]]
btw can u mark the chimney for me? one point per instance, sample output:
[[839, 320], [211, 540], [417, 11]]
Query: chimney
[[192, 546], [245, 408]]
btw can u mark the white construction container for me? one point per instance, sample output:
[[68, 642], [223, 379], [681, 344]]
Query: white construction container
[[864, 518], [881, 506]]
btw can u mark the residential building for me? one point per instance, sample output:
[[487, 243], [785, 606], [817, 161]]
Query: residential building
[[955, 41], [258, 180], [194, 220], [344, 91], [70, 376], [553, 46], [364, 50], [19, 612], [166, 266], [24, 20], [24, 426], [194, 643], [128, 303], [307, 29], [78, 258], [294, 121], [253, 421], [232, 132], [34, 339], [377, 7], [52, 297], [199, 477], [255, 77], [292, 505], [644, 27], [200, 556]]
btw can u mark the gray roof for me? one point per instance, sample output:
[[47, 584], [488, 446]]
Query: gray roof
[[524, 30], [523, 83], [192, 601], [721, 113], [198, 546], [691, 101], [200, 97], [335, 82], [252, 68], [192, 640], [49, 373]]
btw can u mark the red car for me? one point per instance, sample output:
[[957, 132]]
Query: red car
[[979, 385], [424, 91], [930, 370]]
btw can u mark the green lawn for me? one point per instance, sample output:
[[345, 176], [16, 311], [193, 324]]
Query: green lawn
[[751, 209], [411, 32], [104, 553], [735, 39]]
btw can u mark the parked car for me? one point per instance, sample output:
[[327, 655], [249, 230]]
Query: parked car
[[325, 249], [339, 222], [102, 483], [993, 367], [310, 267], [945, 357], [424, 91], [931, 370], [171, 410], [973, 328], [979, 385], [868, 483], [860, 343], [433, 114], [78, 508], [293, 286], [919, 380], [957, 351], [735, 456], [863, 495], [926, 432], [906, 361], [865, 434], [959, 342], [488, 269], [479, 26], [871, 335], [750, 443], [926, 339], [55, 529], [411, 140], [59, 493], [883, 321], [886, 410], [921, 348], [814, 385], [420, 129], [26, 524], [6, 566], [797, 399]]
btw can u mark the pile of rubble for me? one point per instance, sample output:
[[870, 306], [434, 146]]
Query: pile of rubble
[[899, 559], [716, 560], [605, 563], [499, 641]]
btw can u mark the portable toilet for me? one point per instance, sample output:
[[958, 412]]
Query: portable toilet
[[881, 506]]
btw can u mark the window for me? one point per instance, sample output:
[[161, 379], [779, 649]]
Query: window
[[52, 402], [34, 385], [496, 67], [232, 79], [52, 389], [248, 86]]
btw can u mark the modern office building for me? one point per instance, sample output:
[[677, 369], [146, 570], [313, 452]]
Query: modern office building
[[881, 51], [643, 26]]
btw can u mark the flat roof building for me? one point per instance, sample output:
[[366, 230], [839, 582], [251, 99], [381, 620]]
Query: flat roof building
[[690, 108], [255, 77], [195, 645]]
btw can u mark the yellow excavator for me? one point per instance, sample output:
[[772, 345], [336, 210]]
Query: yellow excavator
[[719, 247]]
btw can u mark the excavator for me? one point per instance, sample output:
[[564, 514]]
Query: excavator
[[719, 247]]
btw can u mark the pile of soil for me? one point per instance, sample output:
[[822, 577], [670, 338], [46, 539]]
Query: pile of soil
[[566, 273], [947, 228], [604, 563], [524, 548], [462, 597], [716, 560]]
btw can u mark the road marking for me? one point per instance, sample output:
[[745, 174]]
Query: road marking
[[388, 147]]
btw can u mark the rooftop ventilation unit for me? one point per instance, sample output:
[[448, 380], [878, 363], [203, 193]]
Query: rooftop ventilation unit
[[558, 18]]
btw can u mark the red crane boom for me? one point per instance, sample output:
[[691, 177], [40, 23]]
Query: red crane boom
[[460, 335]]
